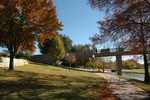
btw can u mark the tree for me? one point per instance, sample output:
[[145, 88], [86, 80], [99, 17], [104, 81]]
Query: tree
[[71, 58], [90, 63], [67, 42], [57, 49], [44, 47], [81, 49], [48, 42], [111, 65], [127, 24], [98, 63], [22, 22], [6, 52], [24, 54], [148, 59], [130, 64]]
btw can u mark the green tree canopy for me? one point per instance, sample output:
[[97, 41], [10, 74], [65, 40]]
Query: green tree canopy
[[24, 54], [48, 43], [67, 42], [57, 49], [81, 49], [45, 45], [6, 52]]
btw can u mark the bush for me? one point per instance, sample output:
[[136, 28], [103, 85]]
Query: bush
[[3, 55], [130, 64], [67, 63], [24, 55]]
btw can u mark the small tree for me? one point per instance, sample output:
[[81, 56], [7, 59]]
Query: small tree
[[94, 63], [103, 64], [90, 64], [6, 52], [71, 59], [81, 49], [111, 65], [97, 64], [57, 49], [24, 54]]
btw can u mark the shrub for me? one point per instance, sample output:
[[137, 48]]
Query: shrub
[[3, 55], [24, 55]]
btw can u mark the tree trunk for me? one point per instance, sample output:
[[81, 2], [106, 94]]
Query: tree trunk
[[98, 69], [11, 63], [147, 78], [56, 64], [70, 67], [103, 69], [93, 69], [84, 63]]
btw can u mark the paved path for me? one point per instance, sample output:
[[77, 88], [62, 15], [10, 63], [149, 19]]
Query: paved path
[[124, 89]]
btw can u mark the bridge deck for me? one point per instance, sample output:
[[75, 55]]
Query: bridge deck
[[105, 54]]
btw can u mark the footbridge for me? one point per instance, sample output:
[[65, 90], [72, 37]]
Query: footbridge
[[118, 52]]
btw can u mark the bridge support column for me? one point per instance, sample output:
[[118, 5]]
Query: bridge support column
[[119, 64]]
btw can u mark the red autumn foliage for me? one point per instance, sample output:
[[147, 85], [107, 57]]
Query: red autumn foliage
[[71, 58]]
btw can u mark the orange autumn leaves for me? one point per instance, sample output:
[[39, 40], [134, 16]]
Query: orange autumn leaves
[[25, 21]]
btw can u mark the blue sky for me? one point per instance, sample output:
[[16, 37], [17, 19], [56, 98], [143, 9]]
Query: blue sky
[[79, 20]]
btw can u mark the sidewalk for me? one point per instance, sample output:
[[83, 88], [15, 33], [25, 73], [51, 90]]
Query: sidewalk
[[122, 88]]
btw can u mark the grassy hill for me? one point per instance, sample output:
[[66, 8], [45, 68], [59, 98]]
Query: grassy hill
[[44, 82]]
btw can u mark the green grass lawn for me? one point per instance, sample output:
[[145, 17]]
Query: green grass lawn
[[44, 82], [138, 71]]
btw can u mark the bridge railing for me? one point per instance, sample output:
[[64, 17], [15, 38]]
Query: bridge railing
[[106, 51], [109, 50]]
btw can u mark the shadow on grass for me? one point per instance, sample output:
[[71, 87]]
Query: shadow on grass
[[78, 69], [29, 85], [66, 67], [36, 63], [60, 66]]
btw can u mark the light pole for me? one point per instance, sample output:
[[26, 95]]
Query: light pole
[[93, 61], [93, 56]]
